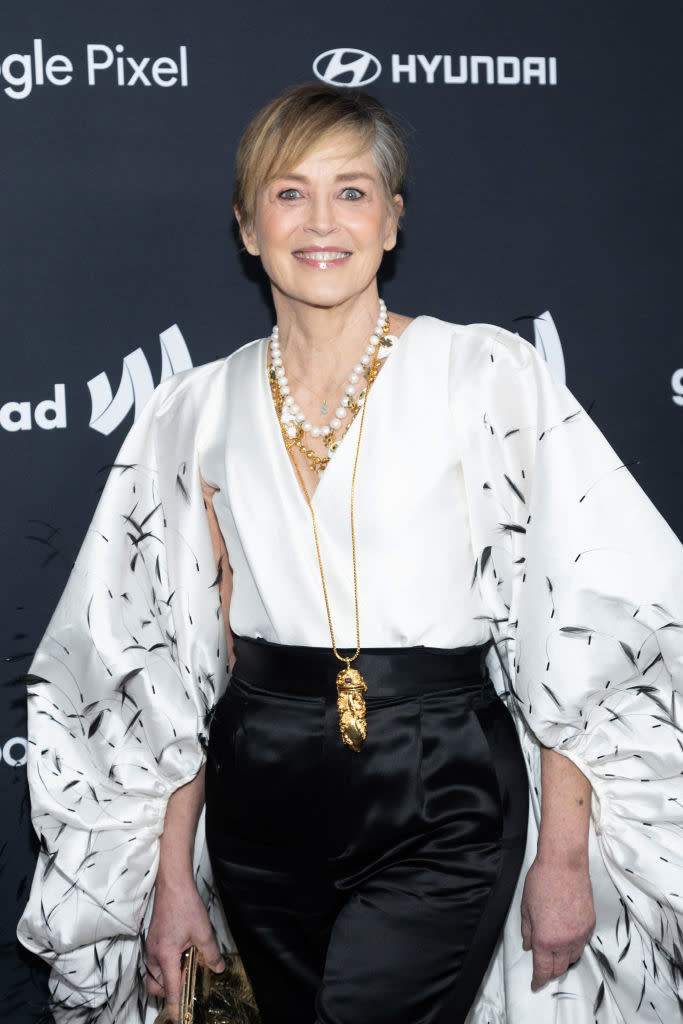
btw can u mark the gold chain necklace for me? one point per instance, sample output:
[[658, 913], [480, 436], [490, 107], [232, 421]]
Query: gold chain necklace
[[350, 684], [318, 463], [296, 425], [324, 409]]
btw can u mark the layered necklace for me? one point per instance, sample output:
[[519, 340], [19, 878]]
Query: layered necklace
[[294, 422], [294, 425]]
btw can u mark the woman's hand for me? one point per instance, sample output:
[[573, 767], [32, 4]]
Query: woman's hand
[[557, 903], [179, 920], [557, 917]]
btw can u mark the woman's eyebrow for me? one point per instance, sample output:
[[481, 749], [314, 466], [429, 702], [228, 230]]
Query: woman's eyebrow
[[342, 176], [345, 175]]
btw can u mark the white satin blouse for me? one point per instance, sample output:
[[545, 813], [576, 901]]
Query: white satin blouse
[[414, 552]]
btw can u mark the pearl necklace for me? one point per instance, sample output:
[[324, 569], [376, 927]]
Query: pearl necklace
[[295, 422]]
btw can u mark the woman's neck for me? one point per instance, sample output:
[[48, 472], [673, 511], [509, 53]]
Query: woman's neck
[[320, 344]]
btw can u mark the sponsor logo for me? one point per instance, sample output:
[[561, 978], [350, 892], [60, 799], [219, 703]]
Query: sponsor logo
[[49, 414], [20, 73], [109, 411], [473, 70], [354, 68], [547, 341], [677, 386], [164, 71], [347, 67], [14, 751]]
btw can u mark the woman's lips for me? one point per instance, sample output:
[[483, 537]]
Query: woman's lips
[[322, 259]]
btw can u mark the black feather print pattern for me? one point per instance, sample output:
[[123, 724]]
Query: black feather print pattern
[[132, 728], [599, 998], [571, 546], [514, 488], [182, 482], [45, 536], [592, 654], [512, 528]]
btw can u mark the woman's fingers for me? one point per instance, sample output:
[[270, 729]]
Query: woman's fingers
[[172, 1011], [155, 978], [164, 978], [211, 955], [164, 971], [557, 919], [560, 964], [179, 920], [543, 968], [549, 964], [172, 983]]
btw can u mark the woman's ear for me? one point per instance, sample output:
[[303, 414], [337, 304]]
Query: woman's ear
[[248, 235], [396, 208]]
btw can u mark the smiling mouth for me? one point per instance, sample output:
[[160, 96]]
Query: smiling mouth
[[321, 258]]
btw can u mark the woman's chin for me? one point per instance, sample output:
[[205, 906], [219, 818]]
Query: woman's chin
[[322, 291]]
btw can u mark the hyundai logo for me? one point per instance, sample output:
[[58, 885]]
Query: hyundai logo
[[349, 67]]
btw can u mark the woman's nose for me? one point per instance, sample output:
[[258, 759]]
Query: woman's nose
[[321, 219]]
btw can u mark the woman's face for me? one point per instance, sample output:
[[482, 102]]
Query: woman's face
[[321, 229]]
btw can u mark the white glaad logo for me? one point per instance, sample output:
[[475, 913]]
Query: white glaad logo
[[108, 411], [547, 341], [349, 67]]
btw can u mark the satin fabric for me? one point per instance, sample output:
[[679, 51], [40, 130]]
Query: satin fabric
[[393, 671], [366, 886], [413, 533], [578, 580]]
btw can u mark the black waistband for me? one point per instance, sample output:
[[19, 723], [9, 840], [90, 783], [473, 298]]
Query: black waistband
[[388, 671]]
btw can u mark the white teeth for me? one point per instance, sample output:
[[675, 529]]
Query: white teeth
[[323, 257]]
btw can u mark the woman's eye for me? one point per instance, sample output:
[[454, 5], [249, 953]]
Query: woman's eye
[[352, 193], [290, 193]]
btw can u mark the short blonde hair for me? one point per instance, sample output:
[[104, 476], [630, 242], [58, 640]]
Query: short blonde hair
[[284, 131]]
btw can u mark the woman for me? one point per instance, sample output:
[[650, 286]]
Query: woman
[[366, 831]]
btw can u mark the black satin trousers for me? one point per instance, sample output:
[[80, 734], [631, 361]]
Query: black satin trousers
[[370, 887]]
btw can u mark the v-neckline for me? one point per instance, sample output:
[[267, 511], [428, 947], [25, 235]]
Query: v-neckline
[[273, 419]]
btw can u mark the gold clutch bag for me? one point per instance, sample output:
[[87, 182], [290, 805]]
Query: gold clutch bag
[[210, 998]]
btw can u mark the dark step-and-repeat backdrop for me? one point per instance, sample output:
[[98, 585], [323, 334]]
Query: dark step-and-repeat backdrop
[[544, 195]]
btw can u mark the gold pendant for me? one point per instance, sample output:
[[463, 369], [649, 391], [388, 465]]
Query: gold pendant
[[351, 708]]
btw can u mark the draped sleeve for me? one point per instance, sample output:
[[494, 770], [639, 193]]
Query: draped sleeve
[[582, 581], [119, 695]]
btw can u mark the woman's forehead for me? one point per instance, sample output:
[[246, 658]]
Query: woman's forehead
[[345, 152]]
